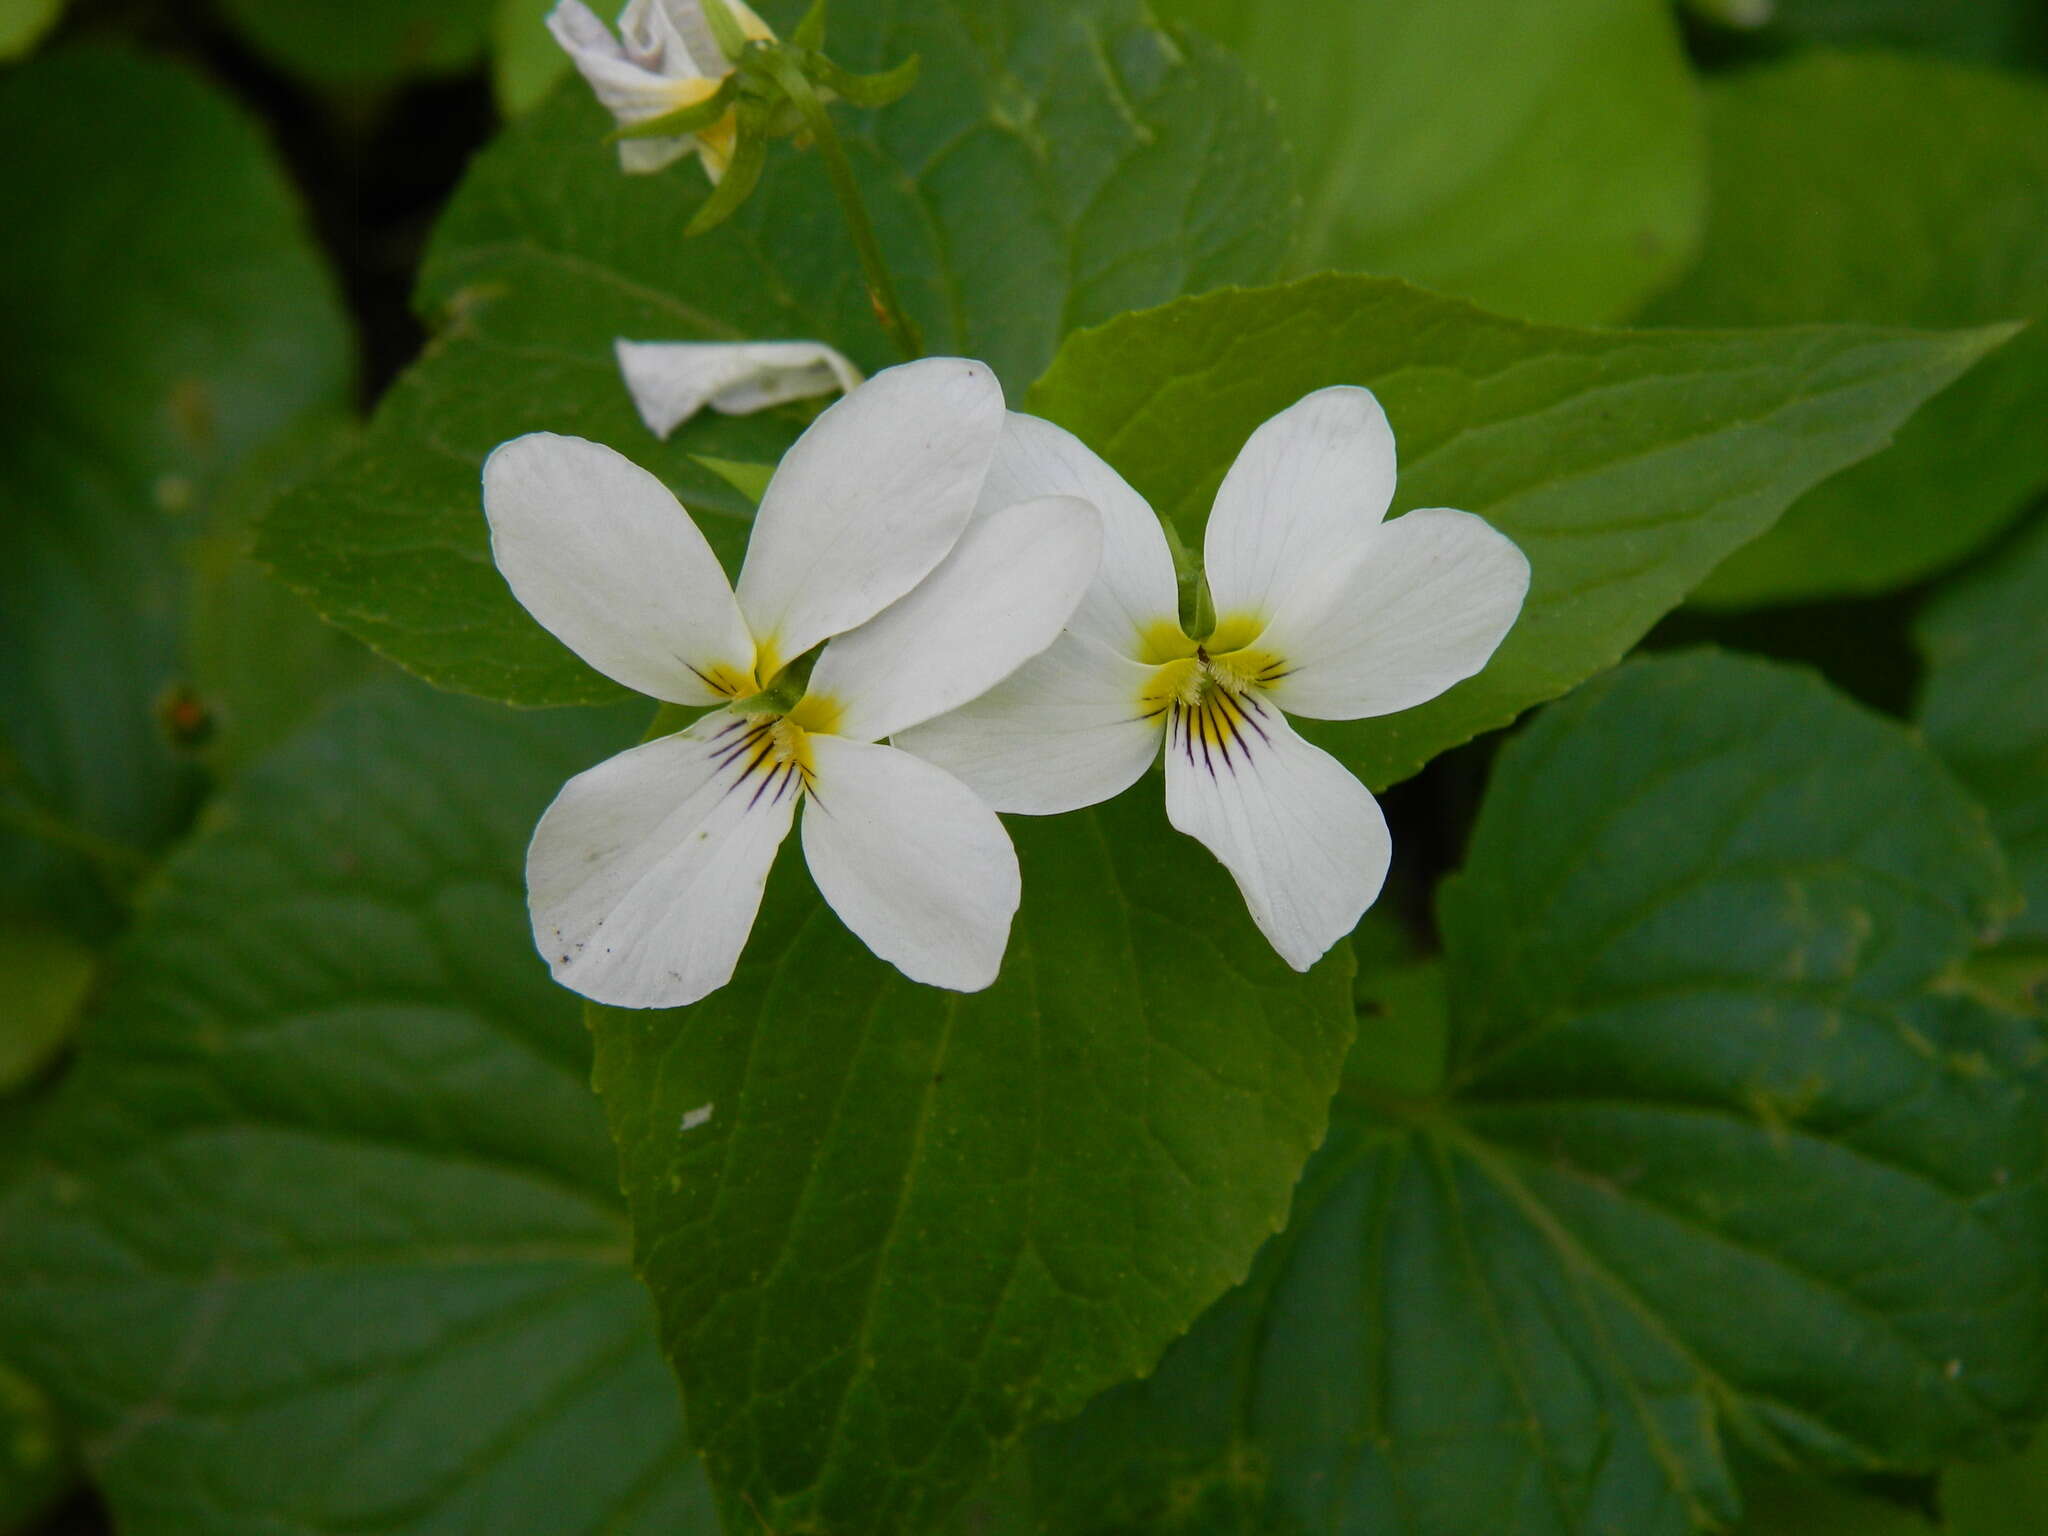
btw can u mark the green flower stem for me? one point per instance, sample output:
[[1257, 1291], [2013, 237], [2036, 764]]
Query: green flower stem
[[881, 288]]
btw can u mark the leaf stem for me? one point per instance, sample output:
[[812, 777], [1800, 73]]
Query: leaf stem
[[881, 288]]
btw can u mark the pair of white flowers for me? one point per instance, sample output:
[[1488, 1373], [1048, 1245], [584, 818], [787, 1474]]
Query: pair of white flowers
[[995, 620]]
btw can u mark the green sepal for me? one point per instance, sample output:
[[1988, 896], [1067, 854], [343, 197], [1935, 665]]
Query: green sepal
[[749, 156], [810, 32], [691, 119], [877, 90]]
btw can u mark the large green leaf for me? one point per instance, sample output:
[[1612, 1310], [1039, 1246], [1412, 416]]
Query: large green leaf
[[1710, 1164], [1626, 465], [1948, 227], [363, 42], [1984, 703], [152, 347], [1056, 165], [889, 1227], [1543, 160], [322, 1233]]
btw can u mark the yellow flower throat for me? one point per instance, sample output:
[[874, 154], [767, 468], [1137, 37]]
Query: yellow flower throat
[[1208, 690]]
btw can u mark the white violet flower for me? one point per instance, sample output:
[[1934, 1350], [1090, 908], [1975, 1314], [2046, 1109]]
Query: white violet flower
[[663, 59], [671, 381], [645, 875], [1323, 609]]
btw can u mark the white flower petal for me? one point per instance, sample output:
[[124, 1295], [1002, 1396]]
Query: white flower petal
[[658, 34], [687, 17], [1137, 587], [1304, 840], [995, 602], [869, 499], [671, 381], [911, 861], [645, 874], [643, 157], [629, 90], [1063, 731], [609, 562], [1424, 606], [1307, 487]]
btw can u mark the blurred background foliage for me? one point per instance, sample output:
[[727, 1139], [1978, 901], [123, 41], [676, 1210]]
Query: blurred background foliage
[[216, 215]]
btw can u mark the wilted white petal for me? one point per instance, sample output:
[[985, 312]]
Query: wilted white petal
[[911, 861], [995, 602], [1304, 840], [869, 499], [645, 874], [608, 561], [628, 89], [671, 381], [1303, 493], [1137, 587], [646, 72], [1426, 603], [643, 157], [687, 17], [1065, 730], [656, 36]]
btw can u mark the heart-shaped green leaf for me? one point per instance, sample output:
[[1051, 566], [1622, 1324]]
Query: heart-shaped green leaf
[[1949, 227], [153, 352], [1542, 160], [322, 1232], [888, 1227], [1714, 1163]]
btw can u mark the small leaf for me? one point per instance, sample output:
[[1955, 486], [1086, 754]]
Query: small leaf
[[1058, 164], [1542, 160], [889, 1227], [1713, 1168], [1949, 227], [323, 1233], [1625, 464], [1984, 705]]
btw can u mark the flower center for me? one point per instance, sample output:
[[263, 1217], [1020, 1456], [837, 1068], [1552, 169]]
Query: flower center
[[770, 755], [1211, 702]]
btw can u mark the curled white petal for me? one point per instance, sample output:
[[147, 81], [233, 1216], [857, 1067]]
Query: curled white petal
[[686, 18], [1136, 588], [991, 605], [869, 500], [1065, 730], [1306, 489], [1424, 605], [670, 37], [1304, 840], [912, 862], [671, 381], [608, 561], [645, 875], [648, 70]]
